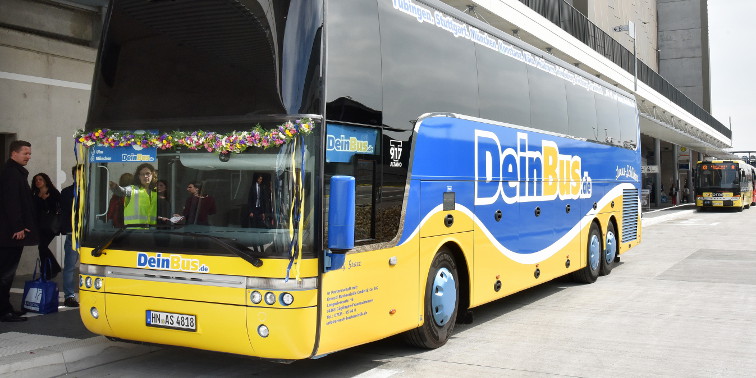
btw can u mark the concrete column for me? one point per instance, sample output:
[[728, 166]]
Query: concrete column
[[657, 161], [676, 174], [691, 188]]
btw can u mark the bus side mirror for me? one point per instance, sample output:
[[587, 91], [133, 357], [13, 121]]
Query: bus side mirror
[[341, 217]]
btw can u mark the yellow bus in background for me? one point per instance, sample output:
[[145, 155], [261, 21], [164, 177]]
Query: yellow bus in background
[[724, 184]]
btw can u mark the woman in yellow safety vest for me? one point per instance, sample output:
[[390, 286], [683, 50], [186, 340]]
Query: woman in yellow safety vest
[[141, 198]]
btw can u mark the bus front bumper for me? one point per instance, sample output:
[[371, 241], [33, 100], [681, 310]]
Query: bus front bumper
[[260, 331]]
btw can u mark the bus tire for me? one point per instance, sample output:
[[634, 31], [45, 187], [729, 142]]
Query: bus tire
[[609, 255], [590, 272], [441, 301]]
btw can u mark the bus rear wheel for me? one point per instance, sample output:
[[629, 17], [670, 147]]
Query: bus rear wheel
[[441, 301], [590, 273], [608, 257]]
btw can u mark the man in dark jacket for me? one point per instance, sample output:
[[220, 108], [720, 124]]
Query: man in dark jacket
[[259, 203], [17, 227], [67, 203]]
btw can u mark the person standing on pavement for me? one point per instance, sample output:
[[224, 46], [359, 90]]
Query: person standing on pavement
[[67, 208], [17, 224], [47, 209]]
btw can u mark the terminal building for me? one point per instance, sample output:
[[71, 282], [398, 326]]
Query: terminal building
[[657, 50]]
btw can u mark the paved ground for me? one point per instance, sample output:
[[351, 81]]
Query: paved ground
[[680, 304]]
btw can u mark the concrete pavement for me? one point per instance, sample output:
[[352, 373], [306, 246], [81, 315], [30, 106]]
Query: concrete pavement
[[57, 344]]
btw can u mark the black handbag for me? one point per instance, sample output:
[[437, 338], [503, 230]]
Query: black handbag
[[54, 221]]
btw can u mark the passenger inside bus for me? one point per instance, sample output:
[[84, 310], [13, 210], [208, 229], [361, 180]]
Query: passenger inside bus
[[140, 198], [197, 208], [115, 205], [259, 203], [164, 205]]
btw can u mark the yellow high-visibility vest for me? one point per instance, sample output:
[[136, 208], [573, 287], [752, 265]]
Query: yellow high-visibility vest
[[140, 206]]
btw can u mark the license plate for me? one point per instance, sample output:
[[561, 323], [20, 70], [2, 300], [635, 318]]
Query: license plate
[[716, 203], [171, 320]]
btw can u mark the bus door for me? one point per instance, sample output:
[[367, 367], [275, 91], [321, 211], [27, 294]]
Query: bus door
[[374, 292]]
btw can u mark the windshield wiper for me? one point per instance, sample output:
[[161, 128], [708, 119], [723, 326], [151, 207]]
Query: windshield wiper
[[224, 242], [97, 252]]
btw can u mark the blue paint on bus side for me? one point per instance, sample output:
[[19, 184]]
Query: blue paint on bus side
[[529, 176]]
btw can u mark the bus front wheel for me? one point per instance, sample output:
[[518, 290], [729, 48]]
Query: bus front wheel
[[590, 273], [440, 308]]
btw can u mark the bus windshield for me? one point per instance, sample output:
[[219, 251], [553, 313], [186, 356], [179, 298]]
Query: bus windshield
[[216, 66], [181, 197], [718, 176]]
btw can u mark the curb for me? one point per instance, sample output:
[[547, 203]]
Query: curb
[[30, 355], [647, 222]]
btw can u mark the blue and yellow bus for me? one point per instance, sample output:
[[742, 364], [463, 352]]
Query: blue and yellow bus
[[321, 174], [724, 184]]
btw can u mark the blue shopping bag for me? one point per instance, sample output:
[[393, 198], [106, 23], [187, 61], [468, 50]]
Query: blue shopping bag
[[40, 295]]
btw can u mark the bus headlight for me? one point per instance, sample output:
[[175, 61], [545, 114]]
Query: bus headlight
[[287, 299], [88, 282], [263, 330], [98, 283], [93, 311], [81, 281], [270, 298], [255, 297]]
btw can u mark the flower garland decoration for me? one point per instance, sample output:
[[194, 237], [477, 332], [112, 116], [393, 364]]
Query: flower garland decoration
[[236, 141]]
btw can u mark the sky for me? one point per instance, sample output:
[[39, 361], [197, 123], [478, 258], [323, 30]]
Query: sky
[[732, 57]]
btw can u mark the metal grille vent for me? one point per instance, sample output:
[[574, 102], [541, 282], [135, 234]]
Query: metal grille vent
[[629, 215]]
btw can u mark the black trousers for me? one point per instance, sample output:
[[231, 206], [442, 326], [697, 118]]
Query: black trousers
[[257, 221], [9, 258]]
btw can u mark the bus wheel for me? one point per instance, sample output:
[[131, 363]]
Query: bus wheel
[[441, 299], [610, 253], [590, 273]]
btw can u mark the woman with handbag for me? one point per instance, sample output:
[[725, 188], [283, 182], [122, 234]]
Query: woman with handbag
[[47, 207]]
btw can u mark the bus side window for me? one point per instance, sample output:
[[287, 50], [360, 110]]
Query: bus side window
[[364, 168], [365, 198], [608, 120], [506, 103], [581, 115], [548, 101]]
